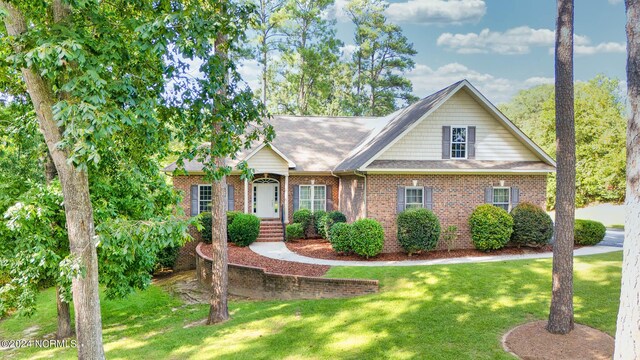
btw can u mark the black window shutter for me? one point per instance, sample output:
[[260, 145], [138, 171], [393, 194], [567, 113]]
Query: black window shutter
[[195, 208], [515, 197], [230, 198], [471, 143], [446, 142], [400, 197], [329, 197], [488, 195], [427, 194], [296, 197]]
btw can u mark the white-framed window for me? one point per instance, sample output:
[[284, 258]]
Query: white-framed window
[[502, 197], [414, 197], [204, 199], [458, 142], [313, 197]]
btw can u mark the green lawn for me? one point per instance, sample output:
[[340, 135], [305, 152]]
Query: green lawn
[[444, 312]]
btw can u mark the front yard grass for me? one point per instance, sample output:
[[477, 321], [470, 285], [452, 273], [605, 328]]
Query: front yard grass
[[444, 312]]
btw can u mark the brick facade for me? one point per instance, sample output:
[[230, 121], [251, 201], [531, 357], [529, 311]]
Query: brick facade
[[454, 198], [318, 180], [352, 197], [256, 283]]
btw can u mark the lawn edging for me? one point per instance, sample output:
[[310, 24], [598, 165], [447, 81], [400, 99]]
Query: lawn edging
[[256, 283]]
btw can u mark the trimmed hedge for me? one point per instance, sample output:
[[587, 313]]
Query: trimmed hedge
[[532, 226], [340, 237], [418, 230], [491, 227], [303, 217], [244, 229], [588, 232], [367, 237], [294, 231], [327, 221], [318, 222], [205, 220]]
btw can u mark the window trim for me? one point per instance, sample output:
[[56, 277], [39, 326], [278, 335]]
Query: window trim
[[508, 203], [200, 186], [312, 199], [466, 142], [406, 202]]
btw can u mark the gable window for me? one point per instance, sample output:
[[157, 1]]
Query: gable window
[[204, 201], [414, 197], [313, 197], [502, 197], [459, 142]]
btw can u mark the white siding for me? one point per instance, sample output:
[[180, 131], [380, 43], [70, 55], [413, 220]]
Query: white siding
[[493, 140], [268, 161]]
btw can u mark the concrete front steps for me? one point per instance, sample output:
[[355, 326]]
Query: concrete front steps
[[270, 230]]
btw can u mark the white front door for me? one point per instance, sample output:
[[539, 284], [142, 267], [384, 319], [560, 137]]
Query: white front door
[[266, 200]]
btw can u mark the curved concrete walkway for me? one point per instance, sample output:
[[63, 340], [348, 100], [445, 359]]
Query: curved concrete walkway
[[279, 251]]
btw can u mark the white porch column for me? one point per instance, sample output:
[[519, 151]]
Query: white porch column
[[286, 199], [246, 196]]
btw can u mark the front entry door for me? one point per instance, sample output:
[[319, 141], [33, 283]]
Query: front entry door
[[265, 197]]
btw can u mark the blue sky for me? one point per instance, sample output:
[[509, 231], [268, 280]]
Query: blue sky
[[501, 46]]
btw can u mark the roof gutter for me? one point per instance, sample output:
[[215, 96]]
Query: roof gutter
[[362, 174]]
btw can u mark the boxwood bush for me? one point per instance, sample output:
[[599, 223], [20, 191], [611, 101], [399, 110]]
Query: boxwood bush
[[532, 226], [418, 230], [327, 221], [317, 221], [588, 232], [491, 227], [294, 232], [304, 217], [340, 237], [205, 220], [244, 229], [367, 237]]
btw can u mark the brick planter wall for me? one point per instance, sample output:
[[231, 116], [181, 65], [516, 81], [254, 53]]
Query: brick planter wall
[[454, 198], [255, 283]]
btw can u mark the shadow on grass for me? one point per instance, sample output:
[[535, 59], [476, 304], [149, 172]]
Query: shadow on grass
[[444, 312]]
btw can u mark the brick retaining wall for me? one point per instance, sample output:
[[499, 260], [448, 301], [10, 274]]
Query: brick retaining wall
[[256, 283]]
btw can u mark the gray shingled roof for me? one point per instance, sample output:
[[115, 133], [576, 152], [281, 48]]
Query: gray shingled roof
[[398, 124], [345, 144]]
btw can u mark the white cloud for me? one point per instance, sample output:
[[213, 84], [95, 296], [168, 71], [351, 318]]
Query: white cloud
[[518, 40], [497, 89], [437, 11], [250, 72], [426, 11], [608, 47], [614, 2], [347, 50], [538, 80]]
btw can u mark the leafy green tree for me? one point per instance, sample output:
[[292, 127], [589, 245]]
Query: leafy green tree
[[309, 54], [382, 58], [600, 135]]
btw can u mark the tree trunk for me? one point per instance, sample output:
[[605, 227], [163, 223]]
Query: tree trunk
[[64, 314], [561, 312], [79, 214], [264, 74], [628, 326]]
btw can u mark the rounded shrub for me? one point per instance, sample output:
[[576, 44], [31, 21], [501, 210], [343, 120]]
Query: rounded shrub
[[367, 237], [294, 231], [588, 232], [532, 226], [232, 215], [418, 230], [303, 217], [205, 220], [340, 237], [244, 229], [327, 221], [318, 221], [491, 227], [166, 258]]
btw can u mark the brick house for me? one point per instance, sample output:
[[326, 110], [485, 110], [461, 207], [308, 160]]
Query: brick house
[[448, 152]]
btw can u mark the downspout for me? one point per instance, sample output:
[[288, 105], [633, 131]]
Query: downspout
[[361, 174], [339, 189]]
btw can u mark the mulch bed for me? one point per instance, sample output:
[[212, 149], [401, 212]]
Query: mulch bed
[[244, 256], [532, 341], [321, 249]]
